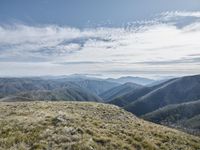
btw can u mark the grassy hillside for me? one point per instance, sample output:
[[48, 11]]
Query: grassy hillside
[[73, 125]]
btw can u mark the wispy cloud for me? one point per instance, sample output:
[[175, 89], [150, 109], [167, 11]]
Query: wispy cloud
[[174, 14], [195, 60], [71, 50], [81, 62]]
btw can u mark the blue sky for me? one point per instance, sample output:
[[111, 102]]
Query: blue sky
[[109, 37], [81, 13]]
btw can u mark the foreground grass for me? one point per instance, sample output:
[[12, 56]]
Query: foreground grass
[[87, 126]]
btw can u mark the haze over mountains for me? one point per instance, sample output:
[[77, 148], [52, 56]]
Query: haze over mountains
[[75, 87], [119, 91], [99, 75], [137, 80], [39, 89]]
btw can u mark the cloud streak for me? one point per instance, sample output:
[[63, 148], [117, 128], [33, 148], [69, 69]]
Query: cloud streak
[[158, 42]]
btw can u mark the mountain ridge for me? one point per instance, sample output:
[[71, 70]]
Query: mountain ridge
[[136, 80], [177, 90], [40, 89], [180, 115], [119, 91]]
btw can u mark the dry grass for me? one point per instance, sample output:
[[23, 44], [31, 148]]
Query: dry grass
[[86, 126]]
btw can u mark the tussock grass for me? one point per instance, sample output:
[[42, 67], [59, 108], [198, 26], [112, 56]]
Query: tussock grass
[[86, 126]]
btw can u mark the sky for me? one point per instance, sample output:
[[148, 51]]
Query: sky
[[106, 38]]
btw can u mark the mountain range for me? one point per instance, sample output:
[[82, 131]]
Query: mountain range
[[173, 102], [119, 91], [174, 91], [162, 103], [137, 80], [74, 87], [13, 89]]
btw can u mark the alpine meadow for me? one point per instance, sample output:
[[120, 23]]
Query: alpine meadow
[[99, 75]]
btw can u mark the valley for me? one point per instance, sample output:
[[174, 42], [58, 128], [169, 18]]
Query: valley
[[99, 75], [60, 105]]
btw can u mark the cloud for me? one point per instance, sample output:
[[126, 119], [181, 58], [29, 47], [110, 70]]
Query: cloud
[[173, 62], [50, 41], [147, 47], [174, 14], [81, 62]]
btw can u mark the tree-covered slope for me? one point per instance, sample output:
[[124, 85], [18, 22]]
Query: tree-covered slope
[[17, 89], [119, 91], [175, 91], [97, 86], [185, 115], [134, 95], [64, 94]]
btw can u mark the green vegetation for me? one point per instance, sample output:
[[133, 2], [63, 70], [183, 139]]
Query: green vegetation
[[174, 91], [82, 125], [30, 89], [119, 91], [185, 115]]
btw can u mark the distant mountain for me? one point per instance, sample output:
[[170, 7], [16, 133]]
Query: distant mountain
[[15, 99], [133, 95], [137, 80], [63, 94], [13, 89], [174, 91], [185, 115], [97, 86], [119, 91], [128, 98], [157, 82], [12, 86], [73, 77], [92, 84]]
